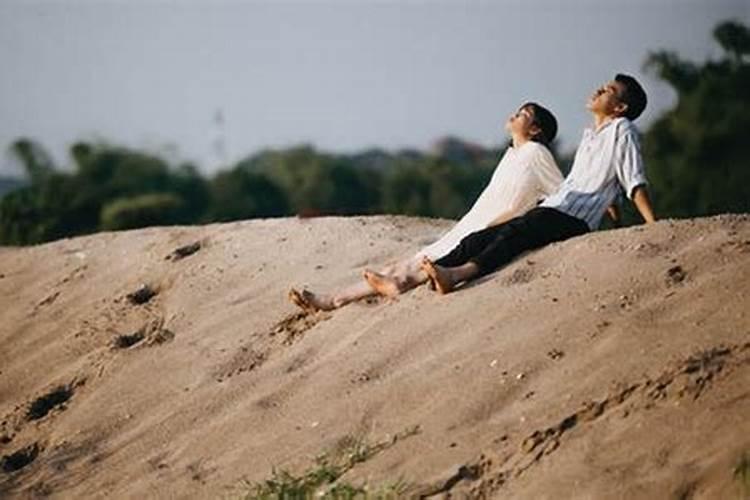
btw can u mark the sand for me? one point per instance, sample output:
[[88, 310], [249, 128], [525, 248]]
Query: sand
[[612, 365]]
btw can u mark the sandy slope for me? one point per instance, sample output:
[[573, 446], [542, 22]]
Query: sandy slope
[[615, 365]]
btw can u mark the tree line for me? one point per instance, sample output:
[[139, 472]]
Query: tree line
[[696, 156]]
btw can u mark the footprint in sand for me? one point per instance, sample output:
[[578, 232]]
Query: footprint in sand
[[150, 334], [56, 398], [142, 295], [283, 334], [184, 251], [675, 275], [20, 458]]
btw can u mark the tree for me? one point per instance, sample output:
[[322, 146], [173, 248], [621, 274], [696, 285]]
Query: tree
[[238, 194], [154, 209], [696, 153]]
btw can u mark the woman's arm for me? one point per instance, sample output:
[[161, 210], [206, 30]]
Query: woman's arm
[[502, 218]]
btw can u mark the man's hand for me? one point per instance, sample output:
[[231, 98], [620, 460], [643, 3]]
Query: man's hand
[[614, 213], [642, 202]]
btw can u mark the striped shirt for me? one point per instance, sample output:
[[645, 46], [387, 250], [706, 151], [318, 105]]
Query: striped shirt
[[607, 163]]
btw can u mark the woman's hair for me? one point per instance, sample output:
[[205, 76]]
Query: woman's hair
[[545, 120]]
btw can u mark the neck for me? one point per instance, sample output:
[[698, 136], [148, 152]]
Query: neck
[[601, 120], [518, 140]]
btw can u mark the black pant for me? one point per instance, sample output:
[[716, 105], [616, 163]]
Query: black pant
[[497, 245]]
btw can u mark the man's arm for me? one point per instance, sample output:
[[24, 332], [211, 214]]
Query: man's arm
[[614, 213], [642, 202]]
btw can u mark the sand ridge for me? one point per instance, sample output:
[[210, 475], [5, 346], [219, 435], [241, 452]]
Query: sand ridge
[[613, 365]]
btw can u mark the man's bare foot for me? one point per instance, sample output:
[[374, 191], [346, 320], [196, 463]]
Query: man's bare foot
[[438, 276], [382, 284], [309, 302]]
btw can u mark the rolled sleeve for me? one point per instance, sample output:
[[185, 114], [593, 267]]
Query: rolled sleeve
[[631, 172]]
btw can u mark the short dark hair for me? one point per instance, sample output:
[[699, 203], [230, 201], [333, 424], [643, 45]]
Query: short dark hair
[[633, 95], [545, 120]]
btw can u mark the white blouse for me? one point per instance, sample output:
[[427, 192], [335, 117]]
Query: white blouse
[[522, 178]]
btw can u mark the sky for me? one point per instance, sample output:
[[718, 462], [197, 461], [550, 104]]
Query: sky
[[211, 81]]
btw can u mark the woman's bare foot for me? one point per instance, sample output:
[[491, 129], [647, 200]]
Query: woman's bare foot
[[309, 302], [384, 285], [439, 276]]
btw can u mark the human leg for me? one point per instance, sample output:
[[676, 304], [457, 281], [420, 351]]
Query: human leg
[[397, 280], [445, 279], [535, 229], [470, 246], [458, 266], [312, 302]]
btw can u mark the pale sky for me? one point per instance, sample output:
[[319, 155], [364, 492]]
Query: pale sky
[[213, 81]]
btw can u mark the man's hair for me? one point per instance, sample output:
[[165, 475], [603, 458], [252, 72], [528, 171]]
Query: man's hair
[[545, 120], [633, 95]]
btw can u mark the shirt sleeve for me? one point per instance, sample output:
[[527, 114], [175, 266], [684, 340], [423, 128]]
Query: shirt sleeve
[[547, 172], [629, 167], [524, 194]]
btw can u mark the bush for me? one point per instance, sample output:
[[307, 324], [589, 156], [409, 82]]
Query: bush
[[155, 209]]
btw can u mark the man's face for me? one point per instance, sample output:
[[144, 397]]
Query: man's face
[[607, 99], [522, 122]]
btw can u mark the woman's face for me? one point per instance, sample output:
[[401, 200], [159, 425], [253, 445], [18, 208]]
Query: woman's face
[[521, 122]]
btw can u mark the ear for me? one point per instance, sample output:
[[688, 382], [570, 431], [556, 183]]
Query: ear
[[535, 130], [620, 108]]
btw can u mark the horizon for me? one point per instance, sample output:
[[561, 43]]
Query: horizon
[[211, 84]]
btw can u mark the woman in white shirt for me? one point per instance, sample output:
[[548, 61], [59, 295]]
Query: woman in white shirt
[[526, 173]]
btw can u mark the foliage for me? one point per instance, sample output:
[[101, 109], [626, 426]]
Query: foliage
[[321, 480], [432, 187], [696, 153], [239, 194], [142, 210], [742, 473]]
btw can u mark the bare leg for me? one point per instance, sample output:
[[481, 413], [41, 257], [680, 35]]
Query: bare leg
[[312, 302], [405, 275], [445, 279], [400, 279]]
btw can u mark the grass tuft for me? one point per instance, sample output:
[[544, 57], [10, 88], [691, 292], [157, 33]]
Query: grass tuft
[[742, 474], [321, 480]]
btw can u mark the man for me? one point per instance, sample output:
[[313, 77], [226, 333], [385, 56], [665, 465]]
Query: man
[[608, 161]]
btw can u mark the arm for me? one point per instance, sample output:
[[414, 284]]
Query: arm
[[631, 173], [614, 213], [642, 202], [502, 218]]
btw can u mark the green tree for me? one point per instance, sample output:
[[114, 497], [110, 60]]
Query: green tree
[[154, 209], [239, 194], [696, 153], [317, 183]]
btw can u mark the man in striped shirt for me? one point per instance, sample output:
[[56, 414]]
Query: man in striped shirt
[[607, 163]]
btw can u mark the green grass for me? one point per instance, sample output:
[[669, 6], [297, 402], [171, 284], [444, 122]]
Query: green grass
[[742, 474], [321, 479]]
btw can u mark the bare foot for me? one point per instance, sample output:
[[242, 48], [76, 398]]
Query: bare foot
[[310, 302], [438, 276], [382, 284]]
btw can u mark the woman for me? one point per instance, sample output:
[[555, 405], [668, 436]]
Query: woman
[[526, 173]]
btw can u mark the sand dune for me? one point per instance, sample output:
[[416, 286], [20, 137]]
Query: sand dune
[[613, 365]]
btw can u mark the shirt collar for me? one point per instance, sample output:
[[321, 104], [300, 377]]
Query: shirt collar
[[592, 132]]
